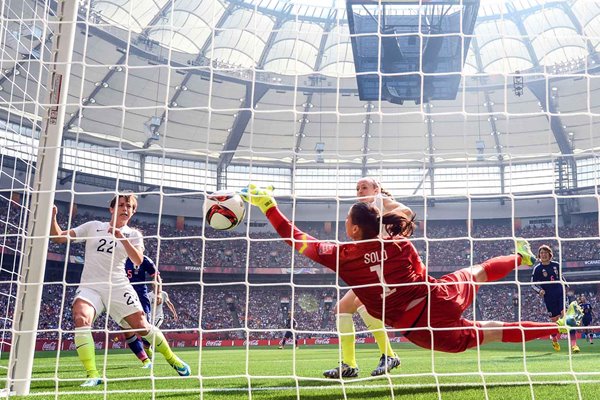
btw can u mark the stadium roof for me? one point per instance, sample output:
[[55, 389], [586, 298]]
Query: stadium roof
[[271, 81]]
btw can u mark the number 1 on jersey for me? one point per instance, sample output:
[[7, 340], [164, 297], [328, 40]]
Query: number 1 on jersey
[[379, 271]]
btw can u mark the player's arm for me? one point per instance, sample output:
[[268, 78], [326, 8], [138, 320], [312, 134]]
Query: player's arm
[[56, 233], [134, 252], [157, 287], [390, 204], [172, 308], [324, 253], [304, 243], [535, 277]]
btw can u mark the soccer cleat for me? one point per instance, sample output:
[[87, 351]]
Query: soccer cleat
[[575, 349], [556, 346], [386, 364], [346, 372], [280, 347], [91, 382], [147, 364], [182, 368], [524, 250]]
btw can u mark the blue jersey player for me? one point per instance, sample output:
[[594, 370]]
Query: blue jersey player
[[291, 324], [139, 276], [588, 316], [548, 283]]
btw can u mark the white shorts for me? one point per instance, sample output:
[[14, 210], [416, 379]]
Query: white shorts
[[118, 301]]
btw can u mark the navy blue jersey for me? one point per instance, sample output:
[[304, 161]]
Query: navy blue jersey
[[289, 322], [547, 273], [138, 275], [587, 313]]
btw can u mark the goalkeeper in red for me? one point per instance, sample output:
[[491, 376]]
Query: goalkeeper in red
[[390, 279]]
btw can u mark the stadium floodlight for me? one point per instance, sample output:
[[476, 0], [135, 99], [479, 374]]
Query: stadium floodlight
[[319, 149], [410, 49]]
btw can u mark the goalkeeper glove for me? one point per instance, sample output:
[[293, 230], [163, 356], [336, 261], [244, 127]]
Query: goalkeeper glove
[[259, 197]]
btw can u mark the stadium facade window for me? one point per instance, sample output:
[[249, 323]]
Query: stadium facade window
[[587, 172], [467, 181], [182, 174], [326, 182], [239, 176], [18, 141], [103, 161], [529, 177], [399, 181]]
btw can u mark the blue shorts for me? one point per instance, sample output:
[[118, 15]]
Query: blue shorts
[[586, 321], [145, 302], [554, 304]]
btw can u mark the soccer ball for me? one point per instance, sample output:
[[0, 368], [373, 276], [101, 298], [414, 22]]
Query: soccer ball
[[224, 210]]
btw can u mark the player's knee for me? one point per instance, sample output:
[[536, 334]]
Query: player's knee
[[479, 273], [145, 328], [346, 306], [357, 303], [80, 319]]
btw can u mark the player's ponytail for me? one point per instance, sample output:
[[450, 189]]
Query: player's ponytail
[[369, 219], [398, 224]]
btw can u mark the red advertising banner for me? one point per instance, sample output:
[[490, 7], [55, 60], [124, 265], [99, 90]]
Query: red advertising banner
[[191, 340]]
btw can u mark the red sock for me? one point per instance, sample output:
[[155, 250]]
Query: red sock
[[573, 337], [498, 267], [515, 334]]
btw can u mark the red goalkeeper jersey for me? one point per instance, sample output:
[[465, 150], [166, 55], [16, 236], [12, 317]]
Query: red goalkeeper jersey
[[387, 276]]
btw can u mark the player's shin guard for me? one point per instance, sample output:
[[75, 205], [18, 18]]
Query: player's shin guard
[[86, 351], [160, 343], [377, 328], [517, 332], [498, 267], [136, 346], [347, 339], [147, 348]]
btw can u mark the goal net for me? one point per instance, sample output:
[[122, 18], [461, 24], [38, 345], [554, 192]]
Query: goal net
[[481, 118]]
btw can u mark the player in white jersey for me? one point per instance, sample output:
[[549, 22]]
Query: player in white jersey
[[368, 190], [157, 315], [104, 285]]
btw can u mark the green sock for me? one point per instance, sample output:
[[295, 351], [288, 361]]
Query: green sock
[[84, 342], [347, 339], [158, 341], [377, 328]]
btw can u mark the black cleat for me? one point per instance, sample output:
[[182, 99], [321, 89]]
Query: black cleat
[[346, 372], [386, 364]]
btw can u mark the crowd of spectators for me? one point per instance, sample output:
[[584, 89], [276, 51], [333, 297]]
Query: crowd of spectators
[[259, 312], [236, 310], [441, 244]]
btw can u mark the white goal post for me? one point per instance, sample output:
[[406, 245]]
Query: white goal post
[[174, 100], [41, 200]]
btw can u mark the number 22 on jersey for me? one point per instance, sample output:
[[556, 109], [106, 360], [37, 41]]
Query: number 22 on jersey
[[106, 246]]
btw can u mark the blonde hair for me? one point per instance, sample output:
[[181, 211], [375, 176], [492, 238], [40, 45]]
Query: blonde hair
[[375, 183]]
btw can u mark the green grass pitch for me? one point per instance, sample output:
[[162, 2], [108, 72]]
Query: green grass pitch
[[499, 371]]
